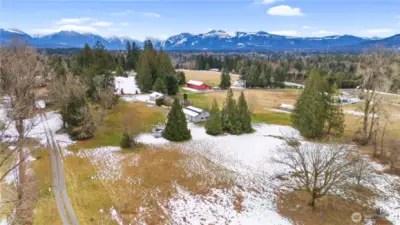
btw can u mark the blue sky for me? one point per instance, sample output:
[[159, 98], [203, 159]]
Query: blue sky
[[163, 18]]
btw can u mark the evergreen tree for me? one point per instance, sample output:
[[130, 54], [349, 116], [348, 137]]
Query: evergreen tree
[[172, 84], [214, 123], [244, 114], [309, 114], [80, 124], [334, 113], [181, 78], [176, 128], [266, 75], [252, 79], [148, 45], [207, 67], [159, 86], [230, 120], [225, 79], [164, 65], [119, 71], [144, 77]]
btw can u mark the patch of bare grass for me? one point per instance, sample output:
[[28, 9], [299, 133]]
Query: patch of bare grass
[[294, 205]]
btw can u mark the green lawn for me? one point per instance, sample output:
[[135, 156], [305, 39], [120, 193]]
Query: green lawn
[[137, 117], [202, 101], [272, 118]]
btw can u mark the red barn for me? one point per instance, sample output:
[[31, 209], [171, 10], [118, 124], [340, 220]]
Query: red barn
[[198, 85]]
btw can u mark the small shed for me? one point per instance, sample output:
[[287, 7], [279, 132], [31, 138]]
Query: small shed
[[198, 85], [156, 95], [194, 114]]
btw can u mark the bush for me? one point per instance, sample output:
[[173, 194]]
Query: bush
[[126, 140], [159, 101]]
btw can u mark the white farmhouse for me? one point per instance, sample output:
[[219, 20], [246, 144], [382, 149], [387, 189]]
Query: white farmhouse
[[194, 114], [156, 95]]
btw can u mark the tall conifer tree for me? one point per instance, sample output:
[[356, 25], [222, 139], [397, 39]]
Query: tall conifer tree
[[214, 123], [225, 79], [244, 115], [176, 128], [309, 114]]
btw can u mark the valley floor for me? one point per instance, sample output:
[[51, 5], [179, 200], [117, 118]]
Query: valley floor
[[226, 179], [236, 173]]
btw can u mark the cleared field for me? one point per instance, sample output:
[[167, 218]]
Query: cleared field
[[136, 184], [135, 116], [261, 99], [209, 77]]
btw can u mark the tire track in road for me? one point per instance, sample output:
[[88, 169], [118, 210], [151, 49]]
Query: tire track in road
[[64, 206]]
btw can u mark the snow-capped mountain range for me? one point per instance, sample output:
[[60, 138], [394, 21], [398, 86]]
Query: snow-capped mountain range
[[213, 40]]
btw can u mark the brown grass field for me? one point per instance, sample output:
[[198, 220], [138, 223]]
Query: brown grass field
[[209, 77], [262, 99], [148, 181]]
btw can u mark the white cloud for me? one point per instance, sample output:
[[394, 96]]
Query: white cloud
[[285, 32], [67, 27], [265, 2], [323, 32], [379, 31], [102, 24], [307, 27], [284, 10], [73, 20], [152, 15], [123, 13], [124, 24]]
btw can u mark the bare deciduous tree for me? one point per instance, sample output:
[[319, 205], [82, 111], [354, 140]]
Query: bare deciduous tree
[[107, 100], [394, 155], [20, 69], [315, 168], [63, 90], [361, 169], [375, 69]]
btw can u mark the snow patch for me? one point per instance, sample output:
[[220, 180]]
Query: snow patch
[[127, 85], [115, 216], [106, 159]]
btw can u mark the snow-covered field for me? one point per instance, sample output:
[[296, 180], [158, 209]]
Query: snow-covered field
[[139, 98], [127, 84], [249, 156]]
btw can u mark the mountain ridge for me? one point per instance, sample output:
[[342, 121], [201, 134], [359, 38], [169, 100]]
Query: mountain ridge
[[212, 40]]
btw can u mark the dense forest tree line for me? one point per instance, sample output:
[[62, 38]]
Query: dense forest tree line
[[285, 67], [155, 72], [88, 77]]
